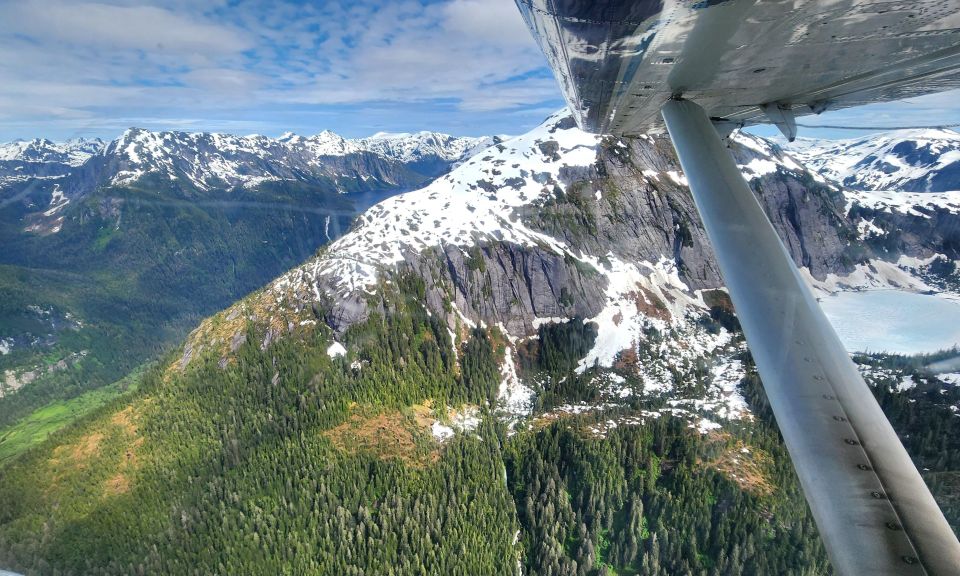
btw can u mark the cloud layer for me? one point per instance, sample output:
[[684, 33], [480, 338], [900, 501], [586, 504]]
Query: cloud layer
[[95, 67], [75, 67]]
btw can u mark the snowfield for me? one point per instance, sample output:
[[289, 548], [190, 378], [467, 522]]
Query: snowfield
[[924, 160]]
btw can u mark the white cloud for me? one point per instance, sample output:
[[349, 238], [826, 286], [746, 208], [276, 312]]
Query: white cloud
[[84, 63], [465, 49], [93, 25], [492, 22]]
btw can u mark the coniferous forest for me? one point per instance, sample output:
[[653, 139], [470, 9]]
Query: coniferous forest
[[283, 460]]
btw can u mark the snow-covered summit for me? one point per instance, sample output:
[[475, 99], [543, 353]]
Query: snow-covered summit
[[416, 147], [210, 160], [473, 203], [480, 201], [924, 160], [71, 152]]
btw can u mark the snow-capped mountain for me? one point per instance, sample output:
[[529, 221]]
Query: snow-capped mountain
[[559, 224], [71, 152], [26, 160], [208, 161], [425, 147], [553, 225], [904, 160]]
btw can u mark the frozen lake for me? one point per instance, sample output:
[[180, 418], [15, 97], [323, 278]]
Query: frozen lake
[[893, 321]]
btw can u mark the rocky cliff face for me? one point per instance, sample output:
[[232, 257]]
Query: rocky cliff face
[[533, 228], [558, 225]]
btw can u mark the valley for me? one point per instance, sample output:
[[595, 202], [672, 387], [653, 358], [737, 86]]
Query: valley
[[119, 269]]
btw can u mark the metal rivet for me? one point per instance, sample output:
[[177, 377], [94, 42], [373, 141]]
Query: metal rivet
[[829, 397], [759, 70], [818, 378], [893, 526], [839, 418], [863, 467], [877, 495], [851, 441], [910, 559]]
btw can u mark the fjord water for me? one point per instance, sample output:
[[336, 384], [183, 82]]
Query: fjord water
[[893, 321]]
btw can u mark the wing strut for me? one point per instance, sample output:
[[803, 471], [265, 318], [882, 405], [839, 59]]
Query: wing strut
[[874, 512]]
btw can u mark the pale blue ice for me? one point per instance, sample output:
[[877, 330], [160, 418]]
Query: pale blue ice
[[893, 321]]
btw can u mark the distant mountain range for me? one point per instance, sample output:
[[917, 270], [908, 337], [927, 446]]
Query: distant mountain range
[[112, 250], [41, 150], [902, 160], [205, 161]]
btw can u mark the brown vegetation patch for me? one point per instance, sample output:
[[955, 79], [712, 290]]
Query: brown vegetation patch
[[746, 466], [627, 360], [106, 456], [124, 419], [86, 447], [398, 434], [126, 431], [649, 304], [119, 483], [546, 419], [717, 298]]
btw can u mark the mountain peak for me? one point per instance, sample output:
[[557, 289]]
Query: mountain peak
[[43, 150], [912, 160]]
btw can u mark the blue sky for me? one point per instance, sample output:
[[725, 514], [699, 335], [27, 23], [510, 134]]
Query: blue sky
[[72, 68]]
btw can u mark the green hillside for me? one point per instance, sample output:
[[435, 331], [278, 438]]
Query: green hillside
[[286, 460], [134, 268]]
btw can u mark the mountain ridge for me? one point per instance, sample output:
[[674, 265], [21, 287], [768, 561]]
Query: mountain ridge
[[914, 160], [214, 158]]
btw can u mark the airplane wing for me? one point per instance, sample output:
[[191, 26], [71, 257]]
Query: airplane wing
[[691, 67], [618, 61]]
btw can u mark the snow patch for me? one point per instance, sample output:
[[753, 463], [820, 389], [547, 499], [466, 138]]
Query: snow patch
[[336, 350], [513, 397]]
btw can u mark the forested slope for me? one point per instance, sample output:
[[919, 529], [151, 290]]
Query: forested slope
[[290, 461]]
